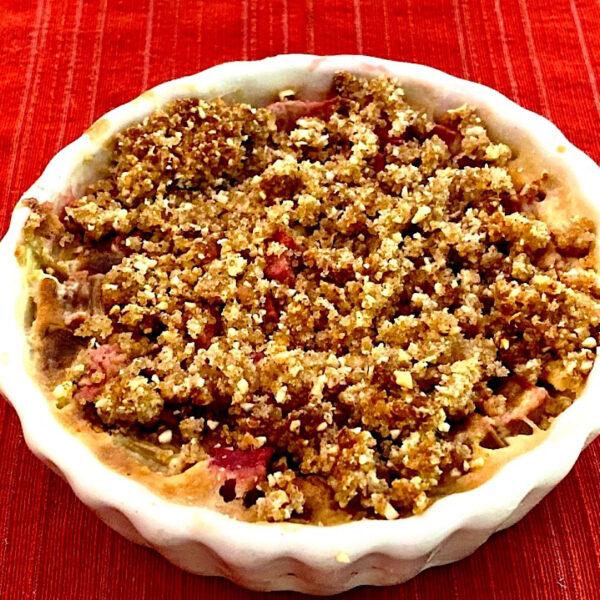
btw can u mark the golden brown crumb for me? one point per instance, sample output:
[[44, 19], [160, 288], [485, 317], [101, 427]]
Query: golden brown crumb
[[346, 290]]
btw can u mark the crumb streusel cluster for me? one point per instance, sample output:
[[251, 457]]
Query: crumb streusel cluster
[[339, 302]]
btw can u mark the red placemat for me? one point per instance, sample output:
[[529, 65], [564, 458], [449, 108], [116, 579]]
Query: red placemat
[[66, 62]]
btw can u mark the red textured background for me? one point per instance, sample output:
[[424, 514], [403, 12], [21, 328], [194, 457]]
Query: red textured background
[[66, 62]]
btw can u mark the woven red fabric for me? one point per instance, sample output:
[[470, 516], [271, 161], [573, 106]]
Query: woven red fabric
[[66, 62]]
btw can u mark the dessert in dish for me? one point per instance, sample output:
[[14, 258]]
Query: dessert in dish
[[314, 311]]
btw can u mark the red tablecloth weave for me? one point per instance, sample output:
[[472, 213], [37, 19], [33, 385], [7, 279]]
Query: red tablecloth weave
[[66, 62]]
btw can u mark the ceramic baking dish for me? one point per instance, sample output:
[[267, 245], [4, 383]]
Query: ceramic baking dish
[[318, 560]]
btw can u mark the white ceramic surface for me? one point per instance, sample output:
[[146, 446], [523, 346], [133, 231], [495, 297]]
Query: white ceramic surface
[[297, 557]]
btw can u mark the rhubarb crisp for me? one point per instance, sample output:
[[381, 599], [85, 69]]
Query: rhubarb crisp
[[313, 311]]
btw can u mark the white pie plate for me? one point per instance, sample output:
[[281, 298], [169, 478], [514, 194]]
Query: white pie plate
[[318, 560]]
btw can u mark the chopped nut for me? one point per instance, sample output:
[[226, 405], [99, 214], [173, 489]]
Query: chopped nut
[[404, 379], [165, 437], [421, 214], [589, 342], [390, 512], [242, 386]]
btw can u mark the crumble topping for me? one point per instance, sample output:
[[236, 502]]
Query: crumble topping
[[340, 304]]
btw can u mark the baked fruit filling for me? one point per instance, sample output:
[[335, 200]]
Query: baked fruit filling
[[316, 310]]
